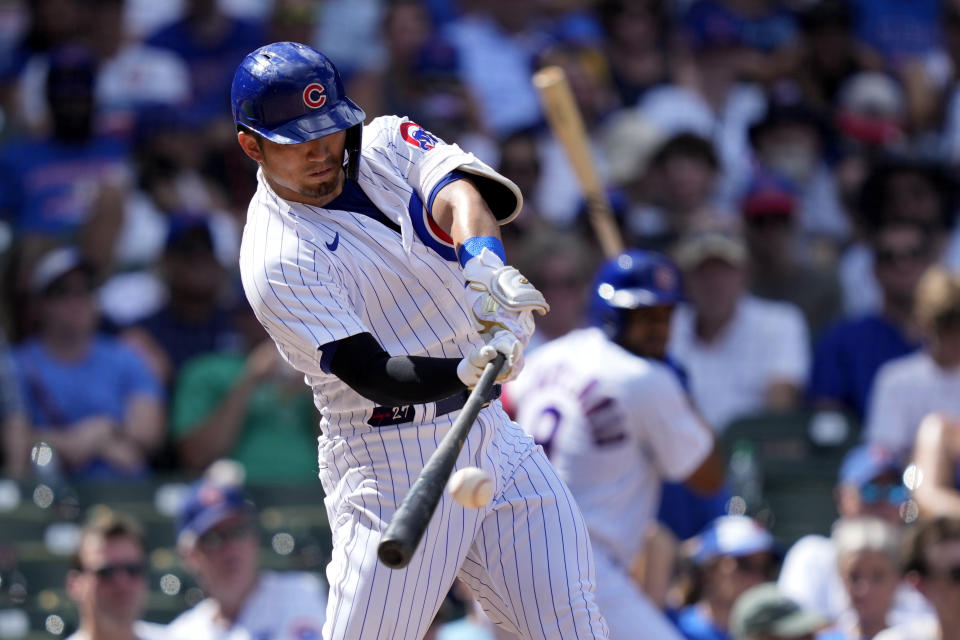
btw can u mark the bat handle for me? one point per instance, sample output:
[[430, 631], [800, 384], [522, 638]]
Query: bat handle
[[409, 522]]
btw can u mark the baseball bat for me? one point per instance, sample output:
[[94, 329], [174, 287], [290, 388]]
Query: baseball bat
[[411, 518], [566, 123]]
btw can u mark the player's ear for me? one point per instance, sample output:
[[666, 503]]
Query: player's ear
[[250, 145]]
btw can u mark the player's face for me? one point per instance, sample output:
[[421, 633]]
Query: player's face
[[112, 585], [647, 331], [308, 172], [871, 578]]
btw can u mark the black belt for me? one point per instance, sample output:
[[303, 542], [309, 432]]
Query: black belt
[[386, 416]]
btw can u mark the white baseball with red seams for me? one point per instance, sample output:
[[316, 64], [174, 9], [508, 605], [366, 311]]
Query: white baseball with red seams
[[471, 487]]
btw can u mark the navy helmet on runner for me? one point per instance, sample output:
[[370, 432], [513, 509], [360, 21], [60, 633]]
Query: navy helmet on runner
[[289, 93], [631, 280]]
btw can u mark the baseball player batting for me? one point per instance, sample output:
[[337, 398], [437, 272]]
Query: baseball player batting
[[616, 422], [372, 255]]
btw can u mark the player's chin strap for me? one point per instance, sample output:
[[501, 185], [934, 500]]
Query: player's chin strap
[[352, 147]]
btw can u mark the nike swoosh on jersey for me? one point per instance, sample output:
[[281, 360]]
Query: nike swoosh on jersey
[[335, 243]]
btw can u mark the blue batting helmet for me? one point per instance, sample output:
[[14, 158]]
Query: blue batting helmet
[[631, 280], [289, 93]]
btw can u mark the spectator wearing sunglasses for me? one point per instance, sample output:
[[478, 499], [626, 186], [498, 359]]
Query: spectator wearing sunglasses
[[910, 388], [218, 540], [850, 352], [869, 485], [732, 554], [931, 561], [108, 580]]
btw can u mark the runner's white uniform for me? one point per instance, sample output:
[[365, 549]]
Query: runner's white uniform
[[614, 425], [283, 606], [314, 276]]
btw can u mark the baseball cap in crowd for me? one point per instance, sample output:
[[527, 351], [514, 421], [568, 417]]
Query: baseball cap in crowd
[[698, 247], [867, 462], [208, 503], [732, 535], [768, 195], [762, 611], [54, 265], [871, 108], [188, 232]]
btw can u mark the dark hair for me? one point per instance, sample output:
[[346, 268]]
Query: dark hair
[[106, 524], [921, 536], [689, 145], [873, 199]]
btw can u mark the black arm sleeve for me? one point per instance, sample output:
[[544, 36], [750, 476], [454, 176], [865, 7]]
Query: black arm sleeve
[[362, 363]]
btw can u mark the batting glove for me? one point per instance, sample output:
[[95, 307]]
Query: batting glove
[[471, 367], [501, 298]]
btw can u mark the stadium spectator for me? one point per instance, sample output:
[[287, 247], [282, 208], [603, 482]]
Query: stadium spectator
[[671, 193], [210, 41], [869, 486], [895, 189], [743, 355], [194, 320], [909, 388], [108, 579], [88, 395], [931, 560], [852, 350], [777, 269], [868, 558], [247, 405], [732, 554], [67, 184], [559, 264], [637, 45], [763, 613], [218, 541], [936, 453], [829, 54], [789, 142]]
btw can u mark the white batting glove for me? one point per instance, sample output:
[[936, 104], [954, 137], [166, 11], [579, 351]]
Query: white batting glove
[[501, 298], [471, 367]]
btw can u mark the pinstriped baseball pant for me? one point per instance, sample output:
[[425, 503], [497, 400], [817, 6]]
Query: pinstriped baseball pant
[[526, 556]]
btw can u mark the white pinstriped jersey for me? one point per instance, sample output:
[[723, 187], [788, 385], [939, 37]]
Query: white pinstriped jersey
[[314, 276], [614, 425]]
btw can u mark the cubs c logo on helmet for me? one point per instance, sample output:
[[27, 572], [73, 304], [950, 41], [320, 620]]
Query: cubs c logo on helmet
[[313, 95]]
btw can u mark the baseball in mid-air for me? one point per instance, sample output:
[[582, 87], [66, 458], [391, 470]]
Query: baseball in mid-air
[[471, 487]]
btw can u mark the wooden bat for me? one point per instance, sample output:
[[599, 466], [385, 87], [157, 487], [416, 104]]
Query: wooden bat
[[411, 518], [567, 125]]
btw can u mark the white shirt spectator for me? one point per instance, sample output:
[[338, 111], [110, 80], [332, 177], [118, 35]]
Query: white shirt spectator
[[284, 606], [906, 390], [925, 629], [809, 575], [765, 342]]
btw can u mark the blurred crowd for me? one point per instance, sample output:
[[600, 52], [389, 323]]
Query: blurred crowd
[[796, 158]]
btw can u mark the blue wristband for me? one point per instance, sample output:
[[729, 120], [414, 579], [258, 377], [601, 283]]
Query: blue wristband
[[472, 247]]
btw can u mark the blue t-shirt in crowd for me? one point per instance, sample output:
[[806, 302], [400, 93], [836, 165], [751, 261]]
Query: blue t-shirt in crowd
[[898, 29], [848, 357], [182, 341], [212, 62], [59, 394], [693, 625], [711, 21], [49, 186]]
